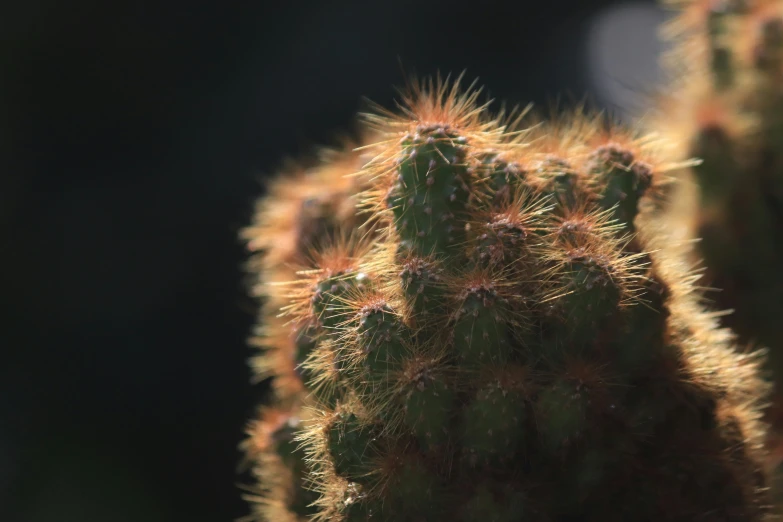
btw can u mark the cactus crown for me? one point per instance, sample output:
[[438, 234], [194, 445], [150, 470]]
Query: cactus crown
[[502, 335]]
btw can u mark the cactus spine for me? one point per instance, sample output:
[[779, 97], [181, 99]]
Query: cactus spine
[[509, 337]]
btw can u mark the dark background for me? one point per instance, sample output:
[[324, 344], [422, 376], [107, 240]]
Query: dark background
[[134, 137]]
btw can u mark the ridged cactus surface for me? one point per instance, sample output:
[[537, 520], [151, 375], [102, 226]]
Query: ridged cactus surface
[[497, 332], [725, 107]]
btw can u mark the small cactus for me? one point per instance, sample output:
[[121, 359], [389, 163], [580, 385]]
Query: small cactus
[[726, 107], [509, 336]]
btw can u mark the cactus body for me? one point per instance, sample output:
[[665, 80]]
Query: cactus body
[[522, 345]]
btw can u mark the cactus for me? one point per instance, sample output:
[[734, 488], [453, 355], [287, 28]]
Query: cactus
[[728, 60], [509, 336], [305, 206]]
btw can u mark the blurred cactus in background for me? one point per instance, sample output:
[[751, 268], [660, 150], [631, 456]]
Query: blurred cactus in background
[[725, 106], [476, 317]]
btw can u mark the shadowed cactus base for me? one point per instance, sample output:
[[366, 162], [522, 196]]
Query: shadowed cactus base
[[508, 337]]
